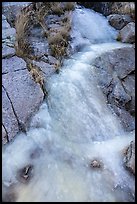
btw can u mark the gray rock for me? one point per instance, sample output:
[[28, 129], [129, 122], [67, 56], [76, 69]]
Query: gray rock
[[96, 164], [7, 51], [122, 61], [46, 68], [8, 118], [126, 119], [129, 86], [11, 10], [119, 21], [115, 75], [127, 34], [13, 64], [5, 24], [25, 94], [118, 96], [129, 159], [4, 135], [7, 31]]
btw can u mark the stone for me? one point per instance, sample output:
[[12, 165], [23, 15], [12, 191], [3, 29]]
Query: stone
[[25, 174], [129, 85], [11, 10], [125, 118], [46, 68], [122, 60], [119, 21], [7, 51], [118, 95], [25, 94], [13, 64], [129, 159], [9, 119], [127, 34], [4, 136], [95, 164], [115, 75]]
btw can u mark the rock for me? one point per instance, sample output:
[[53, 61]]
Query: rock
[[25, 174], [115, 75], [127, 34], [118, 95], [129, 159], [46, 68], [13, 64], [119, 21], [4, 136], [8, 33], [129, 86], [25, 94], [9, 119], [11, 10], [126, 119], [7, 51], [95, 164]]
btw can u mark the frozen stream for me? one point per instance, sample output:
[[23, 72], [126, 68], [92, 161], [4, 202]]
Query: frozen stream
[[75, 128]]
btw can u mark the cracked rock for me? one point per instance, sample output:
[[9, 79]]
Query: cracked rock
[[12, 64], [8, 118], [129, 159], [25, 94]]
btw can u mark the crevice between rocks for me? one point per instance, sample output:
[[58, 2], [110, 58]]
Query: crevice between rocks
[[14, 71], [7, 137], [20, 125]]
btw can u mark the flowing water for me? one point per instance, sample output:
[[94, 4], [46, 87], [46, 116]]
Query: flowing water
[[72, 128]]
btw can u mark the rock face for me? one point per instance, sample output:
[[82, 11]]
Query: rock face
[[116, 77], [129, 159], [127, 34], [9, 120], [21, 96], [119, 21]]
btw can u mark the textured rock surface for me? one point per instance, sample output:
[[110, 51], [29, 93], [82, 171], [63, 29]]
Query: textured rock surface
[[116, 77], [119, 21], [129, 159], [13, 64], [7, 51], [25, 94], [127, 34], [9, 119]]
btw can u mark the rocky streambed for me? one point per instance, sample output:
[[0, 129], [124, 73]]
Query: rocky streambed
[[77, 146]]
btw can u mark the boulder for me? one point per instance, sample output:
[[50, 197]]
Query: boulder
[[21, 96], [127, 34], [25, 94], [119, 21], [129, 159], [115, 74]]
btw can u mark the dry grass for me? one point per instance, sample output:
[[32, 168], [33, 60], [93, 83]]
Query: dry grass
[[57, 8], [37, 76], [59, 42], [23, 25]]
